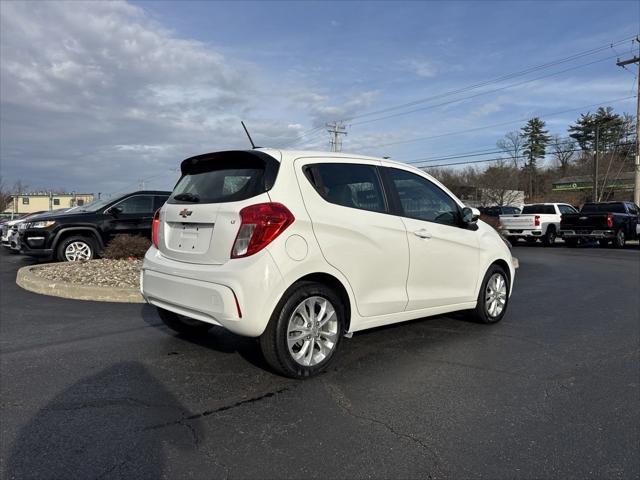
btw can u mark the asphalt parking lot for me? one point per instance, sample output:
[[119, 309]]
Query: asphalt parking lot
[[99, 390]]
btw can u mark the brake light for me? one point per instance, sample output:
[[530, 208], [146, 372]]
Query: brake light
[[260, 225], [609, 220], [155, 228], [536, 220]]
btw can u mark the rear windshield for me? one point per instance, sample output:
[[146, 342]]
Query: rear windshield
[[603, 207], [224, 177], [531, 209]]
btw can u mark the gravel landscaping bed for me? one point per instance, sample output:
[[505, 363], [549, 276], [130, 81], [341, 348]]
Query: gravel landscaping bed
[[97, 273]]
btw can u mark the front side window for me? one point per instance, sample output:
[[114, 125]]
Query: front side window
[[347, 184], [136, 205], [566, 209], [422, 199]]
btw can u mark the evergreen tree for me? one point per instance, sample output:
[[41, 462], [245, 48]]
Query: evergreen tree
[[610, 128], [535, 139]]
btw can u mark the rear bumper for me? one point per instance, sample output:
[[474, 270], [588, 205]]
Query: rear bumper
[[521, 233], [589, 234], [234, 295]]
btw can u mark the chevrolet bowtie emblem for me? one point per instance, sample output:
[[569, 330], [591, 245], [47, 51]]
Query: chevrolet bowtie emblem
[[184, 213]]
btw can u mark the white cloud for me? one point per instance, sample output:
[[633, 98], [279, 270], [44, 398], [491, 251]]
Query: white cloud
[[421, 67], [94, 94]]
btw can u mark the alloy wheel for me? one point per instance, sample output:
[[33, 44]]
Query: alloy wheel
[[312, 331], [495, 295], [77, 251]]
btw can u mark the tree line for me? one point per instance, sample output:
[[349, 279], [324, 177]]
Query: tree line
[[532, 159]]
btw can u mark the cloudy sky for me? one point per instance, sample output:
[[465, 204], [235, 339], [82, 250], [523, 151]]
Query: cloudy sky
[[100, 96]]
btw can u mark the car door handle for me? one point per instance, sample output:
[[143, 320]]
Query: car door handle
[[422, 233]]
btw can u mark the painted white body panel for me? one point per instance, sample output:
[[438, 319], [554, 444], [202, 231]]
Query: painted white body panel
[[389, 274]]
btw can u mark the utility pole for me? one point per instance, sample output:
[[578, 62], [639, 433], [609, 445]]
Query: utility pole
[[596, 161], [336, 129], [622, 63]]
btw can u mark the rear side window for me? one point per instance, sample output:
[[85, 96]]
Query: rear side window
[[538, 209], [348, 184], [136, 204], [159, 201], [224, 177]]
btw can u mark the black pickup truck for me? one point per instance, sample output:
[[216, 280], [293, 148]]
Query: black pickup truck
[[81, 233], [607, 222]]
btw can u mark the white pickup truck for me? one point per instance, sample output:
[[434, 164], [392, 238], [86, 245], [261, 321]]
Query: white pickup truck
[[537, 221]]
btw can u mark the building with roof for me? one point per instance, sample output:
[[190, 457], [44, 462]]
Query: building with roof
[[45, 201]]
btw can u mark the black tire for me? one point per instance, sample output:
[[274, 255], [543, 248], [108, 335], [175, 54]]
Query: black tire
[[90, 243], [571, 242], [550, 237], [273, 341], [182, 324], [480, 313], [603, 242], [620, 240]]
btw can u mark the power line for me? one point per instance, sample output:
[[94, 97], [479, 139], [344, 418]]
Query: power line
[[485, 160], [314, 132], [505, 87], [501, 124], [494, 80]]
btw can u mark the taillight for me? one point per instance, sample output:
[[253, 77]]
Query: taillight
[[609, 220], [536, 220], [260, 225], [155, 228]]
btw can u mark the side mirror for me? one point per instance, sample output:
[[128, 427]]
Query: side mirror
[[470, 215]]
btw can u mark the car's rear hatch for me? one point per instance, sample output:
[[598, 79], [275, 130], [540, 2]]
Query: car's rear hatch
[[200, 220]]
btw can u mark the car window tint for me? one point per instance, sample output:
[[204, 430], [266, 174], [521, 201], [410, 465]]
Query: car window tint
[[350, 185], [537, 209], [566, 209], [422, 199], [136, 204], [159, 201]]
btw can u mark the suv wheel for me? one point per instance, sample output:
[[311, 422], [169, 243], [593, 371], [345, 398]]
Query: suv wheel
[[304, 332], [620, 239], [493, 297], [182, 324], [76, 249]]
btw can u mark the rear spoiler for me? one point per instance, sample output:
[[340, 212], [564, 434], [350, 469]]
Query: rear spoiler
[[233, 159]]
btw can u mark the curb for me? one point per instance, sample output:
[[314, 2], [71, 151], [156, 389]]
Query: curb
[[28, 280]]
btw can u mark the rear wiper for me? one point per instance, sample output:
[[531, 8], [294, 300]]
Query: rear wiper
[[187, 197]]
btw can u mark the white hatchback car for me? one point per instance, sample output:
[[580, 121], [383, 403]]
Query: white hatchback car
[[301, 248]]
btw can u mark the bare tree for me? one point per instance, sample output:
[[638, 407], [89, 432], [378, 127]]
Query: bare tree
[[512, 145], [499, 185], [563, 151], [5, 196]]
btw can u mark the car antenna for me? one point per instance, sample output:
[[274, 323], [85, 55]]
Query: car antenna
[[253, 145]]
